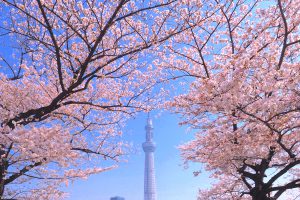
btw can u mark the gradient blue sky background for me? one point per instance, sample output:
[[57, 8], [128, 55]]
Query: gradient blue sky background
[[173, 181]]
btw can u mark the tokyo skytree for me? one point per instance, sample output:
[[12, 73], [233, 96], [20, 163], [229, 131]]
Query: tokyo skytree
[[149, 176]]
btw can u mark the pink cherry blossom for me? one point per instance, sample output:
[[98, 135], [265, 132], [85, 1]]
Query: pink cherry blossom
[[79, 70], [243, 61]]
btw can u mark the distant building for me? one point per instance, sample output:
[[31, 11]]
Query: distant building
[[117, 198]]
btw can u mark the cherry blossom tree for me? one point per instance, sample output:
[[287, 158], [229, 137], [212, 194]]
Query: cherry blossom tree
[[71, 72], [244, 97]]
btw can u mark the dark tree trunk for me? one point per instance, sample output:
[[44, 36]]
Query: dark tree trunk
[[2, 175], [259, 193], [1, 190], [3, 168]]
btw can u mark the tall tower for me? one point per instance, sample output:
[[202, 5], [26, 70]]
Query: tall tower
[[149, 148]]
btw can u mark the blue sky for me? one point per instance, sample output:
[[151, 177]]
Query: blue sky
[[174, 182]]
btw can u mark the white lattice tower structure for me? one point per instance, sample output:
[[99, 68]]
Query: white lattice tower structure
[[149, 148]]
